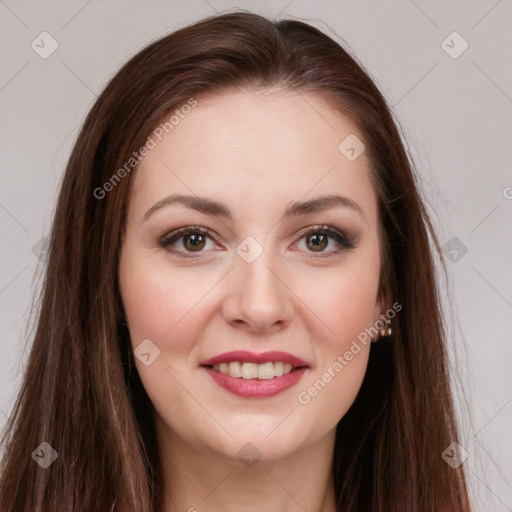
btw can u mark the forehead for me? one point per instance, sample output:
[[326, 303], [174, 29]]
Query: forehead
[[255, 148]]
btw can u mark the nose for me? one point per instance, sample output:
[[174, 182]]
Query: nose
[[258, 297]]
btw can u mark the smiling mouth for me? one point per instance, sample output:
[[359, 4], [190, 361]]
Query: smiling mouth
[[266, 371]]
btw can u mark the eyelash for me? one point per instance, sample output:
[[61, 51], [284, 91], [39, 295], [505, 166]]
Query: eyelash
[[345, 241]]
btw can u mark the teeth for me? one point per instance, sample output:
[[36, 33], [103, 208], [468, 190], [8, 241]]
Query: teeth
[[249, 371], [266, 371], [235, 369], [263, 371]]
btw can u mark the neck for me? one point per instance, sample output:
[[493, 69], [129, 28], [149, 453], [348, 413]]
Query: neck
[[197, 478]]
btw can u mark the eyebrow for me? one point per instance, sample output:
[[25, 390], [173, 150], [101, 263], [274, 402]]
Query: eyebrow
[[294, 209]]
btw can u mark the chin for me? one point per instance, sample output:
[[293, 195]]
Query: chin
[[267, 440]]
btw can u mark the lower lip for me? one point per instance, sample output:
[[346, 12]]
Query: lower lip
[[255, 388]]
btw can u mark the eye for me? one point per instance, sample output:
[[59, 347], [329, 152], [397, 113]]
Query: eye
[[320, 237], [193, 239]]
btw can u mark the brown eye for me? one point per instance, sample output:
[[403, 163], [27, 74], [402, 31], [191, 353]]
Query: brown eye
[[317, 241], [326, 241], [187, 240], [193, 242]]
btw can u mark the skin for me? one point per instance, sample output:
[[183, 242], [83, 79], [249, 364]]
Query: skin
[[255, 151]]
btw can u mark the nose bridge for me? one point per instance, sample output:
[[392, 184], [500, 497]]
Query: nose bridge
[[258, 296]]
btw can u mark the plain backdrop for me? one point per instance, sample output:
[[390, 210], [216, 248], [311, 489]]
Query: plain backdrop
[[454, 105]]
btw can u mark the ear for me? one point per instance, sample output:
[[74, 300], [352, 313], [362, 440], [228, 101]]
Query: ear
[[383, 303]]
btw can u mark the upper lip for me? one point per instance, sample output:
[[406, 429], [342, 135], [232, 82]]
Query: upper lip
[[245, 356]]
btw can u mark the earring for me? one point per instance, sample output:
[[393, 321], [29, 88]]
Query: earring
[[386, 331]]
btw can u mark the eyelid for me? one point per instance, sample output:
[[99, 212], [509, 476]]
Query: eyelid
[[321, 227]]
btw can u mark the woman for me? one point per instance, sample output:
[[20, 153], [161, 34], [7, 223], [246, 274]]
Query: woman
[[240, 308]]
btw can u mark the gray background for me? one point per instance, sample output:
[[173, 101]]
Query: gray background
[[456, 118]]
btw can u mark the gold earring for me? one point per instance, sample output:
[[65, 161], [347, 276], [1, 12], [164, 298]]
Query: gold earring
[[386, 331]]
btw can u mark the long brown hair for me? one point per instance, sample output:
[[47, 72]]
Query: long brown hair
[[81, 393]]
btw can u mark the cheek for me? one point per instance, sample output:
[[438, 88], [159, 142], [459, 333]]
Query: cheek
[[330, 391], [344, 299], [345, 303], [342, 354], [163, 304], [170, 308], [347, 307]]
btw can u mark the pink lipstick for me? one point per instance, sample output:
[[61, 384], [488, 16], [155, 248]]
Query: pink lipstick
[[252, 375]]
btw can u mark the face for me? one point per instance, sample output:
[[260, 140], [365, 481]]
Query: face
[[250, 267]]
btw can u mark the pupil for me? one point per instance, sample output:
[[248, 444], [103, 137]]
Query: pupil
[[194, 241], [318, 241]]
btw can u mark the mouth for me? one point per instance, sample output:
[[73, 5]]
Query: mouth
[[252, 375], [244, 370]]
